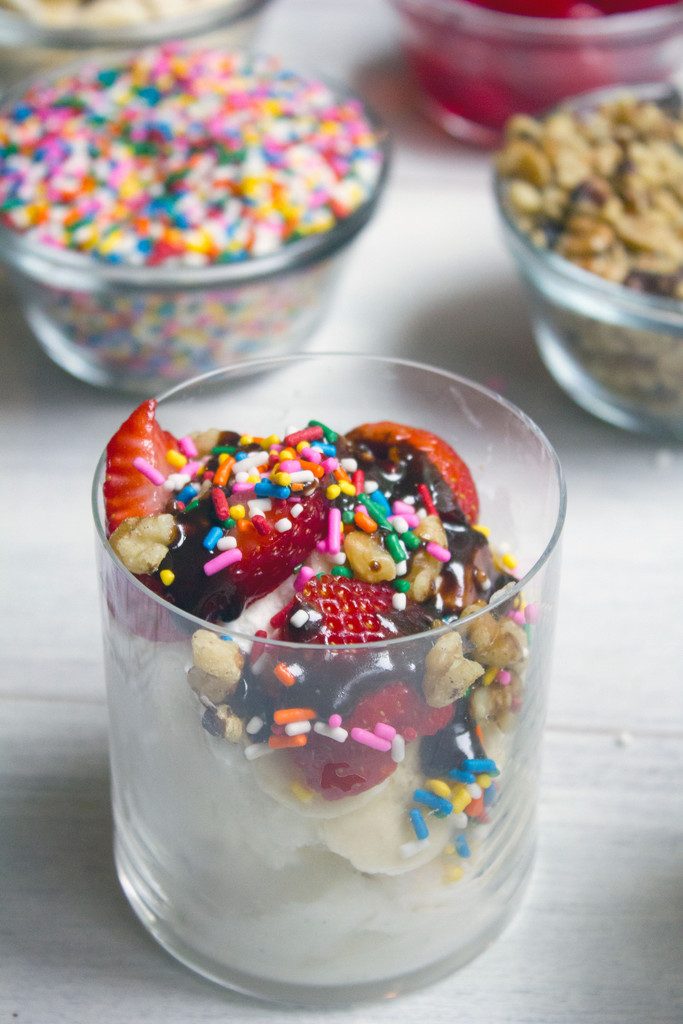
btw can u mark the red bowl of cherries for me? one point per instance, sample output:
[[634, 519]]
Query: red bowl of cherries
[[480, 61]]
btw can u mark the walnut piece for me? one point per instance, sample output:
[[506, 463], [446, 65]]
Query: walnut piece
[[143, 543], [449, 674], [498, 643], [233, 726], [368, 559], [205, 440], [220, 659], [425, 569]]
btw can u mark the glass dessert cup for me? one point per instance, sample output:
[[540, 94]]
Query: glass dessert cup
[[616, 351], [28, 47], [477, 67], [145, 328], [230, 860]]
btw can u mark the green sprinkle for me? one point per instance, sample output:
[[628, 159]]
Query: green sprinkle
[[395, 547], [224, 449], [342, 570], [331, 436], [229, 523], [376, 512], [347, 515], [193, 504], [403, 586], [410, 540]]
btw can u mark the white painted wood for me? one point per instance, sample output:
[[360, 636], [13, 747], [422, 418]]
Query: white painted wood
[[599, 937]]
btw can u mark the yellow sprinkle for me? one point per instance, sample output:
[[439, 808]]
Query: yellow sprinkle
[[175, 459], [282, 479], [301, 445], [166, 577], [347, 488], [439, 787], [333, 491], [237, 511], [482, 529], [509, 561], [489, 675], [453, 874], [484, 780], [253, 478], [268, 442], [286, 454], [460, 798], [222, 457], [246, 439], [450, 849], [301, 792]]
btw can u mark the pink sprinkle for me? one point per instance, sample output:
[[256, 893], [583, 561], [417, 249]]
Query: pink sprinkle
[[312, 455], [368, 739], [150, 472], [384, 731], [290, 466], [191, 468], [302, 577], [401, 508], [333, 526], [222, 561], [517, 617], [504, 677], [531, 613], [321, 545], [411, 519], [329, 465], [437, 551], [334, 721], [242, 488], [188, 447]]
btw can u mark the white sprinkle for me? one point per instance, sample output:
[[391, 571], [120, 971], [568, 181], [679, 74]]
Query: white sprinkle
[[413, 848], [299, 618], [254, 725], [410, 500], [296, 510], [227, 543], [297, 728], [282, 525], [259, 664], [339, 558], [257, 506], [255, 750], [251, 462], [302, 476], [398, 749], [474, 790], [399, 601], [399, 524], [401, 568], [176, 481], [241, 477], [460, 820], [338, 734], [350, 465], [370, 486], [422, 513]]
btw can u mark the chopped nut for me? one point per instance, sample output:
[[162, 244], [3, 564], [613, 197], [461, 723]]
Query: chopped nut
[[425, 569], [499, 643], [220, 658], [205, 440], [233, 726], [449, 674], [205, 685], [368, 559], [143, 543]]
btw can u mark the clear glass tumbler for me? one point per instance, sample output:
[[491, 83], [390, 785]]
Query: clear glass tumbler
[[226, 853]]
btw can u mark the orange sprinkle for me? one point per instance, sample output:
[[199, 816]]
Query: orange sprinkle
[[280, 742], [245, 526], [364, 522], [285, 715], [284, 674], [341, 474], [220, 477], [315, 469]]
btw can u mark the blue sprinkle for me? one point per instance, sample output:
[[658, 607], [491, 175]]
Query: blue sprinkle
[[419, 824], [462, 846], [212, 538], [461, 776], [188, 492], [326, 449], [481, 764], [489, 795], [21, 112], [379, 499], [225, 636], [241, 455], [267, 489], [436, 803]]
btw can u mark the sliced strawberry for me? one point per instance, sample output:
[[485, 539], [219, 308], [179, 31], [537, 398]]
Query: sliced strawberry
[[336, 770], [127, 492], [446, 461], [349, 611]]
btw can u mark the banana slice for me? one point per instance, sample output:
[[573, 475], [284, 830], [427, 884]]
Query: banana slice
[[375, 837]]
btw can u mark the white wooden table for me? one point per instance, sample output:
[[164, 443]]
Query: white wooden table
[[599, 937]]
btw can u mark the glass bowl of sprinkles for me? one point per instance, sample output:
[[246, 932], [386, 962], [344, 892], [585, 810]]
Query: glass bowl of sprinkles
[[40, 35], [169, 211], [328, 635], [592, 209]]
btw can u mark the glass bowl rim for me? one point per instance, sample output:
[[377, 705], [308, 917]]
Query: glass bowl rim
[[16, 249], [16, 29], [569, 29], [669, 310], [506, 594]]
